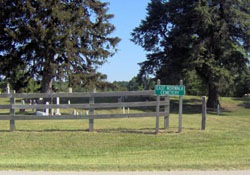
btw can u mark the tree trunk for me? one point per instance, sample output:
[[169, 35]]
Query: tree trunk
[[47, 80], [213, 96]]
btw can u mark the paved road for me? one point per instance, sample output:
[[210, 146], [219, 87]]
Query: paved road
[[128, 173]]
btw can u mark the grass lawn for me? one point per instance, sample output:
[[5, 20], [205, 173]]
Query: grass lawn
[[128, 144]]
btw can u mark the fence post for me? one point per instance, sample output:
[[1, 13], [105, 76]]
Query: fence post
[[180, 109], [158, 98], [166, 118], [91, 110], [204, 113], [12, 111]]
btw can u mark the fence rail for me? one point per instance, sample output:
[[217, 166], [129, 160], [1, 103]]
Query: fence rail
[[91, 105]]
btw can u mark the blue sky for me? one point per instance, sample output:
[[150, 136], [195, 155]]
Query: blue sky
[[123, 66]]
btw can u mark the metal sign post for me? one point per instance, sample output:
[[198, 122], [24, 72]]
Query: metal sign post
[[204, 113], [180, 109], [157, 110]]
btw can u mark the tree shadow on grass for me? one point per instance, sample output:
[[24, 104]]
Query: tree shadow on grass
[[190, 106], [143, 131], [47, 130], [115, 130], [126, 130], [4, 130], [245, 102], [194, 106]]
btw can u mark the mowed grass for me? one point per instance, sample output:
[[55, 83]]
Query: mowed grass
[[129, 144]]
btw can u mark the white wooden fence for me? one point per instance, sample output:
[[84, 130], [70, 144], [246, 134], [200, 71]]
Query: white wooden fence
[[90, 106]]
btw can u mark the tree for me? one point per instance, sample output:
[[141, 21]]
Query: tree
[[134, 85], [194, 84], [141, 83], [60, 39], [242, 84], [121, 85], [211, 37]]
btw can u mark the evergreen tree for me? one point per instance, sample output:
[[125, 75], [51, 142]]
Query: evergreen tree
[[211, 37], [242, 84], [58, 39]]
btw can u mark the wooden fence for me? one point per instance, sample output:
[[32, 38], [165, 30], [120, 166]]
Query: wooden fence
[[91, 104]]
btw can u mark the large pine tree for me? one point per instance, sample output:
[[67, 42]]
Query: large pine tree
[[211, 37], [48, 39]]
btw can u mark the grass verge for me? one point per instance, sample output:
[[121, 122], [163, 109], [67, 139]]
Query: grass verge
[[129, 145]]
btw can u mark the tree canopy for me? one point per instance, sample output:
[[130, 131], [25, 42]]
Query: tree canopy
[[57, 39], [210, 37]]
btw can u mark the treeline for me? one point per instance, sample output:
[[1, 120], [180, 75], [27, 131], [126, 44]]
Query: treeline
[[194, 86]]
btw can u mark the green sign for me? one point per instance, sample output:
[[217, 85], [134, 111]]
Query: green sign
[[169, 90]]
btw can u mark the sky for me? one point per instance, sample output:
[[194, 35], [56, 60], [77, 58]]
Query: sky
[[123, 66]]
